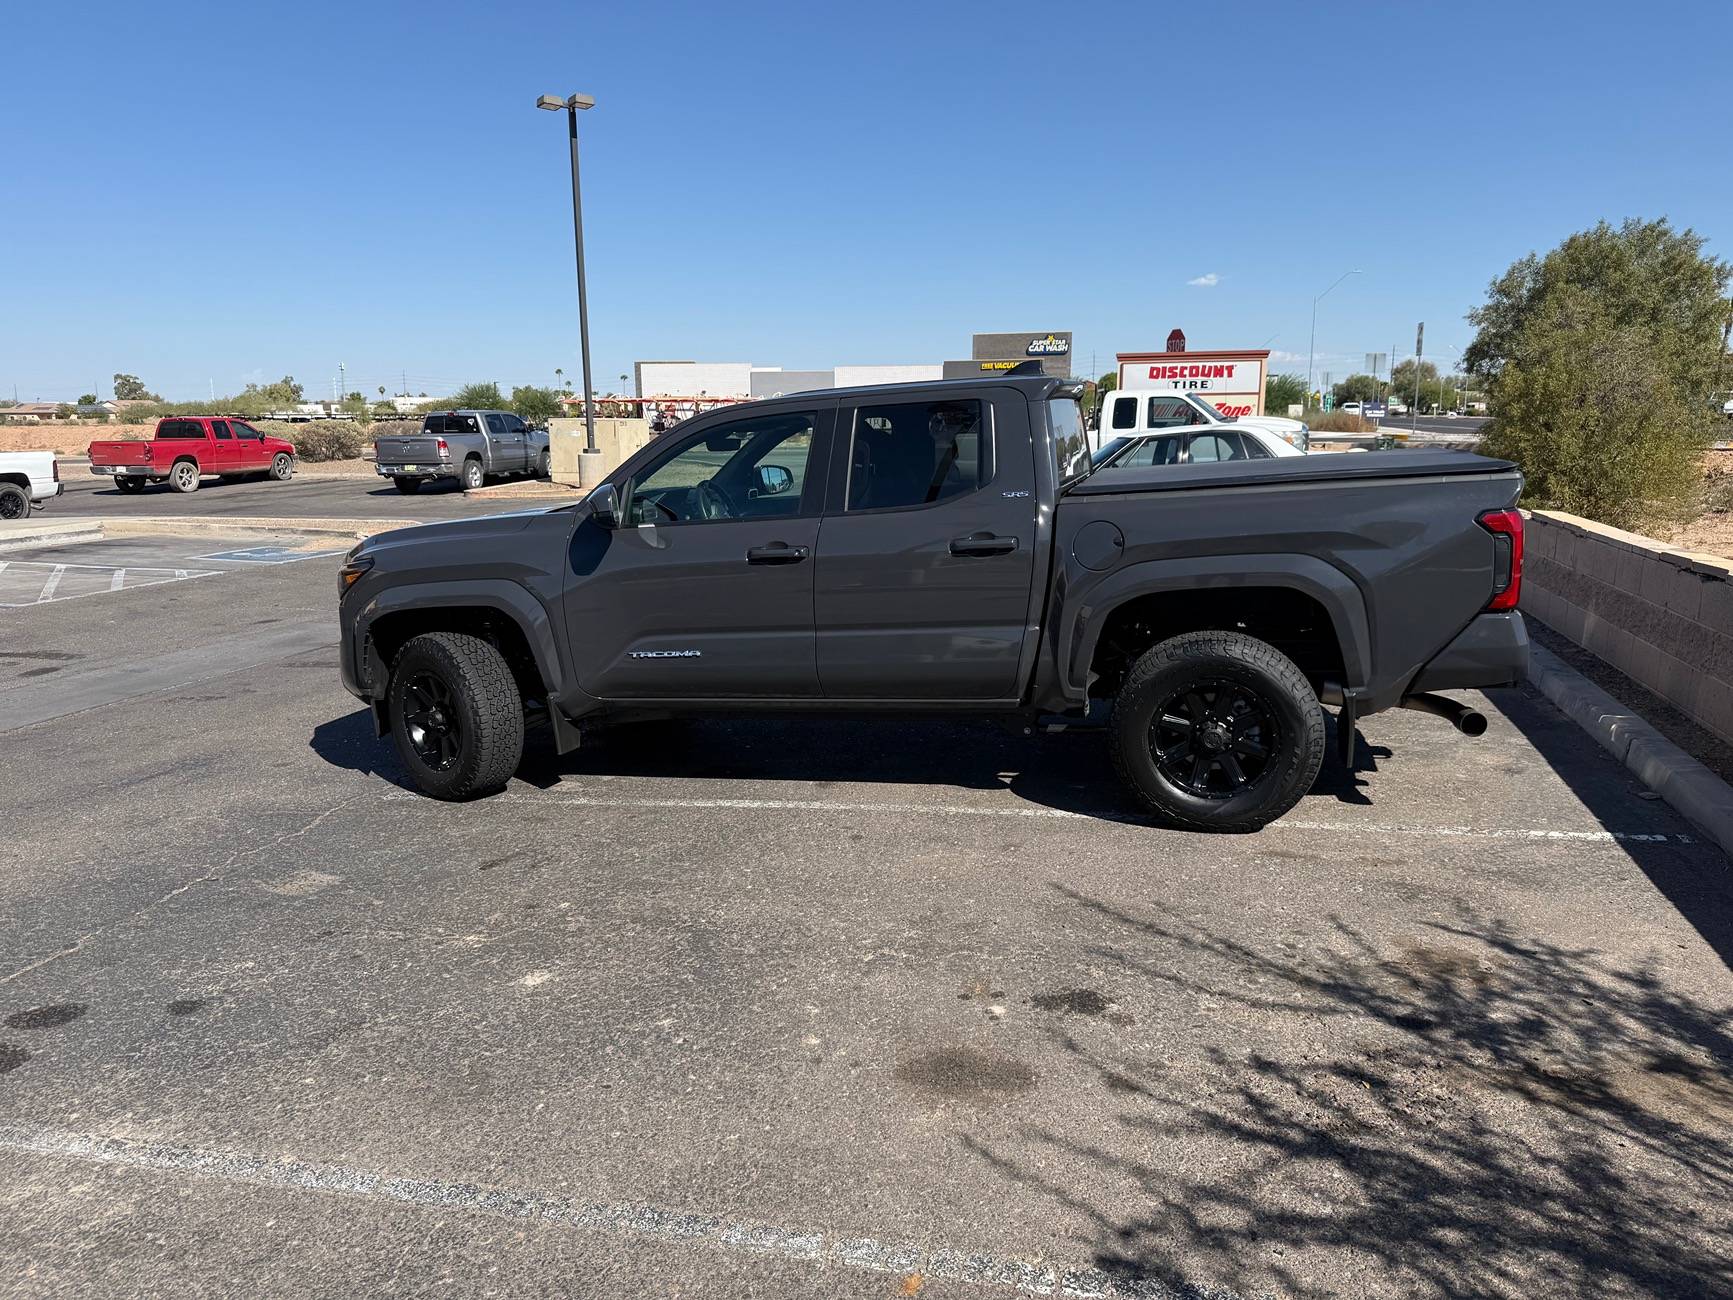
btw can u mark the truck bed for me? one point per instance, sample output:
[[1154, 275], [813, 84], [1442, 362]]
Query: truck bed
[[1290, 469]]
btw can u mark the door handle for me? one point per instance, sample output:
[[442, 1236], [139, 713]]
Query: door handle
[[776, 553], [983, 544]]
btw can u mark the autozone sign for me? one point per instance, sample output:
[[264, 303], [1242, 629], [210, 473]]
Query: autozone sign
[[1232, 382]]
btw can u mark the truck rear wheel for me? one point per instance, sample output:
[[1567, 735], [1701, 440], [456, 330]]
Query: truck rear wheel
[[472, 475], [456, 715], [404, 484], [129, 484], [1217, 731], [14, 502], [184, 477]]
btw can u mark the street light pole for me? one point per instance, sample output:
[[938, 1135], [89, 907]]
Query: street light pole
[[572, 104], [1312, 347]]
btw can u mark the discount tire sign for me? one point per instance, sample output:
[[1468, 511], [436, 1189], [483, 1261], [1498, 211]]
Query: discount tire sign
[[1232, 382]]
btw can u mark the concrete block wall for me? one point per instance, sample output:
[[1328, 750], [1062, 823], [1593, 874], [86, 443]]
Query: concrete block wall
[[616, 439], [1661, 615]]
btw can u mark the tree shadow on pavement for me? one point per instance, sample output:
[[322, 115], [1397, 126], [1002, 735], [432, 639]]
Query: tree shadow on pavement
[[1478, 1113]]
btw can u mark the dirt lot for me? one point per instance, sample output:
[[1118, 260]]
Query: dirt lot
[[1711, 531], [65, 439]]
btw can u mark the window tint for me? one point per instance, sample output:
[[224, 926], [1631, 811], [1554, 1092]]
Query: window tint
[[1216, 446], [1070, 444], [514, 425], [1171, 412], [746, 469], [1254, 446], [245, 430], [221, 429], [1125, 413], [180, 429], [496, 424], [914, 454], [1151, 451]]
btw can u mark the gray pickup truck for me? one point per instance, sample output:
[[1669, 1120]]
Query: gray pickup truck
[[469, 446], [947, 548]]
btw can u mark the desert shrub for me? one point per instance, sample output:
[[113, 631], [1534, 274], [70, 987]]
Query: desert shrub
[[394, 428], [1338, 422], [320, 440]]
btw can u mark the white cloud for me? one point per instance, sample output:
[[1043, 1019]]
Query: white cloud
[[1208, 281]]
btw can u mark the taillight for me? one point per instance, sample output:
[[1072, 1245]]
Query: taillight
[[1506, 529], [444, 451], [57, 471]]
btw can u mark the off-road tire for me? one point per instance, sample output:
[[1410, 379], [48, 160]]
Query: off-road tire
[[473, 477], [404, 484], [489, 713], [129, 483], [1250, 664], [282, 467], [183, 476], [14, 502]]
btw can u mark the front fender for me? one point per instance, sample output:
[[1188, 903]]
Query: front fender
[[1326, 584], [507, 598]]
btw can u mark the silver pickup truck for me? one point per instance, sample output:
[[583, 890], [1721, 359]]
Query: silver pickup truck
[[468, 446]]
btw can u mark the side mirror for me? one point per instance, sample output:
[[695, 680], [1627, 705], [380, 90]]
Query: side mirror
[[774, 480], [605, 506]]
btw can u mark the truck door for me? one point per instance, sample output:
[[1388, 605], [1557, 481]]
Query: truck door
[[704, 591], [926, 556], [505, 451], [224, 456]]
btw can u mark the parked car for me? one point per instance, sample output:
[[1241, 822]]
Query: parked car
[[186, 448], [468, 446], [1126, 412], [1194, 445], [27, 480], [948, 548]]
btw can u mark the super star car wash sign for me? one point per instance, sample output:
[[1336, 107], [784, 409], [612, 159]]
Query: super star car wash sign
[[1232, 382]]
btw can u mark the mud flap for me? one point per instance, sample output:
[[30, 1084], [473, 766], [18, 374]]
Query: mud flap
[[1345, 732]]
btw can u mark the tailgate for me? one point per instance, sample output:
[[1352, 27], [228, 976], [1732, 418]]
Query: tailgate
[[128, 451], [407, 449]]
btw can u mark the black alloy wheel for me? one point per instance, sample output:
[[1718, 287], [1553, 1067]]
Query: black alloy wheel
[[430, 717], [1214, 738]]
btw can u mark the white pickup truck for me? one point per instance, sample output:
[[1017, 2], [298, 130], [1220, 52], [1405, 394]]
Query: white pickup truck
[[1129, 412], [27, 478]]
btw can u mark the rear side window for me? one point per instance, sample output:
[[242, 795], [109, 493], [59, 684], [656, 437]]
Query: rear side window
[[1217, 446], [1125, 413], [914, 453], [1151, 451], [221, 429], [1171, 412], [444, 424], [180, 429], [1255, 449], [496, 424]]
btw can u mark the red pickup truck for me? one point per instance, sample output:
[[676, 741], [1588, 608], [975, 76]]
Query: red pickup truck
[[186, 447]]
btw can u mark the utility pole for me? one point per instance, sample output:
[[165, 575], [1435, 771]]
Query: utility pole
[[1414, 410], [342, 382], [1312, 347], [573, 104]]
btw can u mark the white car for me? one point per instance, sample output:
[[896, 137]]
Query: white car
[[1128, 412], [27, 478], [1193, 445]]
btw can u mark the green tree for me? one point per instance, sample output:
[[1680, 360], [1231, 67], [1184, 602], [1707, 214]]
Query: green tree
[[87, 399], [1283, 391], [1359, 388], [536, 405], [1644, 275], [130, 388], [1586, 408], [479, 397], [1597, 361]]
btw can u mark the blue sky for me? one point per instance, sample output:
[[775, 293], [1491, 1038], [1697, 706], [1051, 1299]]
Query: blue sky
[[210, 193]]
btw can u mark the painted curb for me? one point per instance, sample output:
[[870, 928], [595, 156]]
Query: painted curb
[[1703, 798], [47, 532]]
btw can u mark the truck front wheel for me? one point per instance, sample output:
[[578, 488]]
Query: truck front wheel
[[456, 715], [1217, 731]]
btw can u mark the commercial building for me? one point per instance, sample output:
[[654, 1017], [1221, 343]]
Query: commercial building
[[995, 353]]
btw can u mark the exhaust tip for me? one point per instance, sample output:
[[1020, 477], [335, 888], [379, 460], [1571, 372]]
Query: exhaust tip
[[1471, 723]]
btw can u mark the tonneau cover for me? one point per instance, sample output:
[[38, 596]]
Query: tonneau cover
[[1289, 469]]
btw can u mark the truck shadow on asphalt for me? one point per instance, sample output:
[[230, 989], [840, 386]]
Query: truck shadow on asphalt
[[1067, 771], [1472, 1110]]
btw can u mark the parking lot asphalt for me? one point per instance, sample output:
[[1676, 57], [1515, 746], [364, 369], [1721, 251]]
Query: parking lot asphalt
[[791, 1008], [308, 494]]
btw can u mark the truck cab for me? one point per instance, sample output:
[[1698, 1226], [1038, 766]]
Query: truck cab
[[1130, 413]]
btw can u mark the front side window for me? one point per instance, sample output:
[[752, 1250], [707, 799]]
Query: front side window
[[914, 453], [1171, 413], [244, 430], [745, 469]]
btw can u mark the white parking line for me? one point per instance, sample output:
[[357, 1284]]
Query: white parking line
[[1065, 814], [39, 582], [641, 1223]]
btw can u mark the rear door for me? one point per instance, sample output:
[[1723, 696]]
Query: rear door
[[506, 448], [225, 453], [704, 591], [927, 552]]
